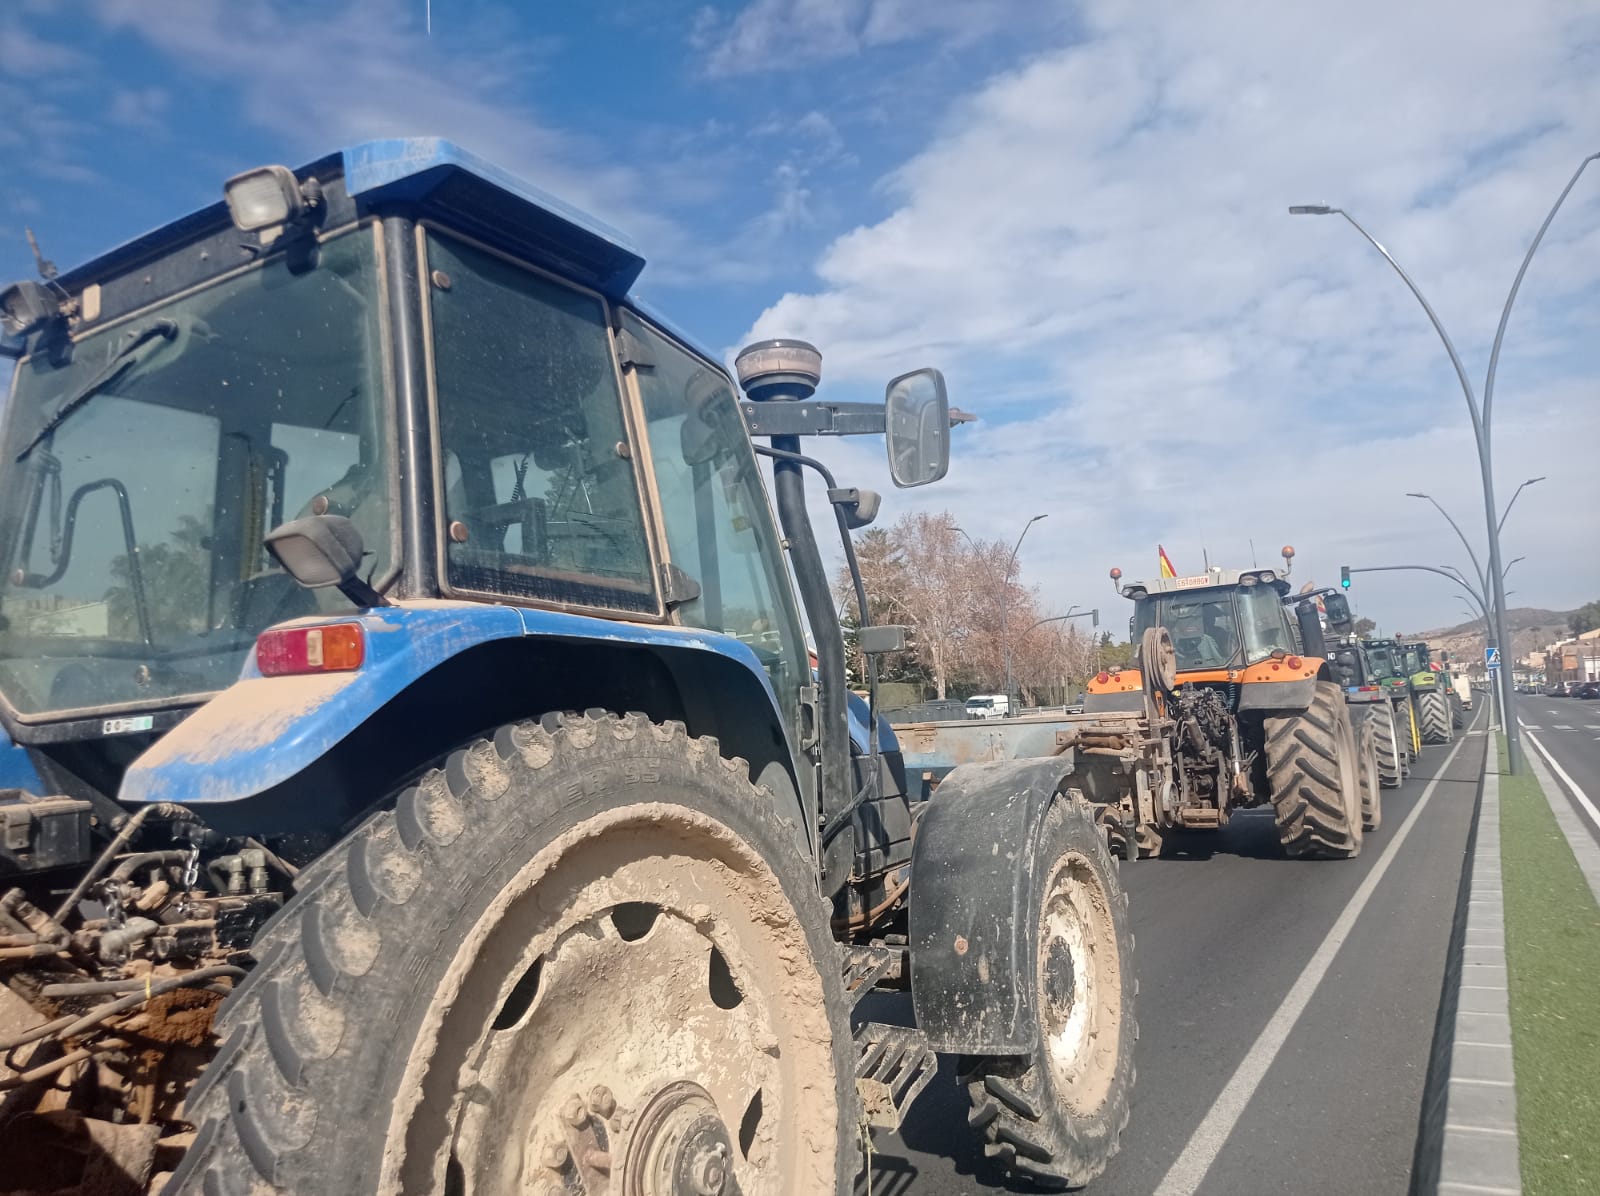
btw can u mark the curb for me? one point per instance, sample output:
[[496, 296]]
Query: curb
[[1478, 1152]]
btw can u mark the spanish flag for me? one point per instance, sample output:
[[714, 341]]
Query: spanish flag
[[1166, 564]]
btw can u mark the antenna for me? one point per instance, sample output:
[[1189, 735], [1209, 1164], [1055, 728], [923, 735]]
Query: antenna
[[47, 269], [1253, 561]]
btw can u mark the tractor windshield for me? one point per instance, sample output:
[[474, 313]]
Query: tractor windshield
[[141, 467], [1202, 625], [1382, 659]]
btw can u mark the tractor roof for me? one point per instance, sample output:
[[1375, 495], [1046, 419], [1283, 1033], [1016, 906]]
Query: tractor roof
[[437, 180], [1215, 578]]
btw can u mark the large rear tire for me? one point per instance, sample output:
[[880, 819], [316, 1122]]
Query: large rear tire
[[1392, 763], [1055, 1117], [1315, 778], [584, 948], [1433, 717], [1371, 780]]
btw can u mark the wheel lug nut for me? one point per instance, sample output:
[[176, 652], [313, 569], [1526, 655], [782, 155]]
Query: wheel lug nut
[[574, 1113], [601, 1101], [555, 1156]]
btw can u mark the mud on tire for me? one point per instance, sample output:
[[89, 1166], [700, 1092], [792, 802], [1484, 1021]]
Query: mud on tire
[[1314, 776], [467, 964], [1433, 717], [1055, 1117]]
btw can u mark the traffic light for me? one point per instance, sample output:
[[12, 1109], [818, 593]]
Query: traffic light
[[1344, 576]]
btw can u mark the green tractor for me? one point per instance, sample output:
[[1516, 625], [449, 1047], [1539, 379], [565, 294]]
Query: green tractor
[[1436, 721], [1387, 660], [1373, 704]]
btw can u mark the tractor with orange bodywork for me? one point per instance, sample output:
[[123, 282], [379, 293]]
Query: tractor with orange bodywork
[[1255, 713]]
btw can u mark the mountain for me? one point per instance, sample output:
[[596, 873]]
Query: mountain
[[1531, 629]]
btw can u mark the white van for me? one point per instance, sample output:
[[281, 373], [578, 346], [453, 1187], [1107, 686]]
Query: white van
[[989, 706], [1463, 690]]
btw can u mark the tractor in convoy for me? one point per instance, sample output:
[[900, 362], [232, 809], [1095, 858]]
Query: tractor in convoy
[[1435, 699], [1233, 704], [1261, 716], [415, 779], [1387, 660], [1374, 703]]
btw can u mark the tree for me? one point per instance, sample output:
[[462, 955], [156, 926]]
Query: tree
[[1585, 618], [949, 591], [176, 579], [1365, 626]]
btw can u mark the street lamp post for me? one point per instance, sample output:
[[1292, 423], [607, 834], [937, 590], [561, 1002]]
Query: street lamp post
[[1072, 613], [1480, 426], [1005, 599], [1455, 575]]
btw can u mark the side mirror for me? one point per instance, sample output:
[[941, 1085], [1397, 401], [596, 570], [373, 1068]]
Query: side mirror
[[918, 428], [1337, 608], [323, 550]]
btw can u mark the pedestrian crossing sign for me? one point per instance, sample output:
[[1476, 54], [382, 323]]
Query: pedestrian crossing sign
[[1491, 657]]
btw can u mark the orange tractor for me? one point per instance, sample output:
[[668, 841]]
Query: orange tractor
[[1252, 711]]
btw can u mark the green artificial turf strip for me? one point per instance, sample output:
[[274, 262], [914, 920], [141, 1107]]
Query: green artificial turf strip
[[1553, 959]]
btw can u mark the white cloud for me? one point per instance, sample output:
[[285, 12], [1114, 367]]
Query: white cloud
[[1095, 246], [775, 35]]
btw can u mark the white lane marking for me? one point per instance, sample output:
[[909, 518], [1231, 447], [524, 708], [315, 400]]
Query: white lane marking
[[1579, 795], [1562, 727], [1203, 1146], [1530, 726]]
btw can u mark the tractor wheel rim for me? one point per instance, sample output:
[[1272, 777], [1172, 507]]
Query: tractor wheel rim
[[1079, 985], [643, 1019]]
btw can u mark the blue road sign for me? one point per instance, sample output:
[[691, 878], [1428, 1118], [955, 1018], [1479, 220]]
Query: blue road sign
[[1491, 657]]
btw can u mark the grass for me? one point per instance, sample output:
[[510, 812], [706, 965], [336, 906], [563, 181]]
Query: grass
[[1553, 959]]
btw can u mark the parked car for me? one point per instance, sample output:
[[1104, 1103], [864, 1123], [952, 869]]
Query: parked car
[[1586, 689], [1558, 690]]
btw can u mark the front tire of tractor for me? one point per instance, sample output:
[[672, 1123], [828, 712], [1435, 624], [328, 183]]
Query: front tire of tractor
[[585, 951], [1458, 713], [1055, 1117], [1371, 779], [1392, 763], [1315, 776], [1433, 716]]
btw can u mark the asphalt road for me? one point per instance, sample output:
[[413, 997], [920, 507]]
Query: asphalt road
[[1229, 946], [1569, 730]]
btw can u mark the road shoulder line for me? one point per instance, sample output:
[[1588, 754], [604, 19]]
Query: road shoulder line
[[1479, 1148], [1584, 847]]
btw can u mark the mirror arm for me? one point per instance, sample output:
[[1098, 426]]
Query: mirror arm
[[863, 618]]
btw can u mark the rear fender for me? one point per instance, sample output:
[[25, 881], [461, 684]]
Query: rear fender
[[975, 889], [261, 731]]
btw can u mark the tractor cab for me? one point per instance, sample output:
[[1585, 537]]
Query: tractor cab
[[1238, 631], [1221, 622]]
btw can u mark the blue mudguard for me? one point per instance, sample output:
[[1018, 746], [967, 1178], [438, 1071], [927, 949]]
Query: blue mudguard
[[263, 730]]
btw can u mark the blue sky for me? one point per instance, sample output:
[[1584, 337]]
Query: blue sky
[[1076, 209]]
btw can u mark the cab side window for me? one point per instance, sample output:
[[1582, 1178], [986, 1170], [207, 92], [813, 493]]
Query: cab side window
[[542, 502]]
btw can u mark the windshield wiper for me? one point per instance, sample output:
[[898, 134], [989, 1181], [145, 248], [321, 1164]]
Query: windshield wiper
[[120, 362]]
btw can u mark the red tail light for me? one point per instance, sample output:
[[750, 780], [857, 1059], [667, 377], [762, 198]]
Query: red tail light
[[1293, 662], [291, 651], [1102, 678]]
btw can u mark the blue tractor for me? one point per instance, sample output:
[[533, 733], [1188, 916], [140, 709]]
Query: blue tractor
[[416, 776]]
